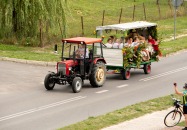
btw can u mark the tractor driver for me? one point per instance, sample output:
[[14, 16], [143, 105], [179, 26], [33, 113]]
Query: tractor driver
[[80, 51]]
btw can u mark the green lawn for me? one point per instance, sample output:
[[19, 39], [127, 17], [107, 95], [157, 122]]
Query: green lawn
[[121, 115]]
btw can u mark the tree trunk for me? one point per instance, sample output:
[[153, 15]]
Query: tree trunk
[[3, 22], [157, 2], [14, 18]]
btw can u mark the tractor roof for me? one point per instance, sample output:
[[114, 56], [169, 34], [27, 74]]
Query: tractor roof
[[85, 40], [127, 26]]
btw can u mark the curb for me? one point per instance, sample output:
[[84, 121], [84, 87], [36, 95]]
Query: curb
[[32, 62]]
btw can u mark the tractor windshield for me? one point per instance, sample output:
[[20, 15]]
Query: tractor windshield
[[69, 49]]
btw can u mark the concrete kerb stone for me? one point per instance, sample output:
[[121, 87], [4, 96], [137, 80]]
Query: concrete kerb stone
[[51, 63], [13, 60], [41, 63], [36, 62]]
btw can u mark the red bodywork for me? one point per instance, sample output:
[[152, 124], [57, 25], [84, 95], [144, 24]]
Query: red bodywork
[[82, 39], [68, 63], [99, 59]]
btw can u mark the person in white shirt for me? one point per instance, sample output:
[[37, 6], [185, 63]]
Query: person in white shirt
[[128, 42], [109, 43], [80, 51], [116, 43], [135, 42]]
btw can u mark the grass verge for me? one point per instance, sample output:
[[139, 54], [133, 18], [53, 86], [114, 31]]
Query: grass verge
[[46, 54], [165, 30], [127, 113]]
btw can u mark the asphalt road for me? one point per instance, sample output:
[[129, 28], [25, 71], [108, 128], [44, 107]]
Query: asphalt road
[[26, 105]]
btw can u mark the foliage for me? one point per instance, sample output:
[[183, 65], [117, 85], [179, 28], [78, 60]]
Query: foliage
[[128, 55], [49, 15], [133, 56], [138, 54], [153, 32], [26, 18]]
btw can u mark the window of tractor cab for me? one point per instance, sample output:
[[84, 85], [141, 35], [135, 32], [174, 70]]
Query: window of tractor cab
[[69, 49], [97, 50]]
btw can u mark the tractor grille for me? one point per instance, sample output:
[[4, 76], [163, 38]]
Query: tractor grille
[[62, 68]]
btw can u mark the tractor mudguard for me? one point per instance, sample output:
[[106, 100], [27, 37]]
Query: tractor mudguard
[[99, 59]]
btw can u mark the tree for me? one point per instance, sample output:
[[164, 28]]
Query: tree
[[21, 18]]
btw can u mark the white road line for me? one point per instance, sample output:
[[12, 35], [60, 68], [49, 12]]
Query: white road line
[[103, 91], [41, 108], [163, 74], [122, 86]]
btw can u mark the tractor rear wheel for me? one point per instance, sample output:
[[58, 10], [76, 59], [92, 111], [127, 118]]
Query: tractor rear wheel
[[49, 81], [98, 74]]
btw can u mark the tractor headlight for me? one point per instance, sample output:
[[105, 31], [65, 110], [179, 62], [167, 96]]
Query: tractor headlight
[[70, 68]]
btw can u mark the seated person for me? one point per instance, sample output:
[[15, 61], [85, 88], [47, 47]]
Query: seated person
[[113, 38], [135, 42], [144, 52], [121, 45], [123, 41], [116, 43], [133, 33], [80, 51], [109, 43], [155, 45], [128, 42]]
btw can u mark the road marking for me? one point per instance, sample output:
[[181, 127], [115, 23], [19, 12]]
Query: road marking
[[41, 108], [122, 86], [103, 91], [163, 74]]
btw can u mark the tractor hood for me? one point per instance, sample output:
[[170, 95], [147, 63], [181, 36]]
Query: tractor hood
[[69, 63]]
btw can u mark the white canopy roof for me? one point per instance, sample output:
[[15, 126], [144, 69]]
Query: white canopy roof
[[127, 26]]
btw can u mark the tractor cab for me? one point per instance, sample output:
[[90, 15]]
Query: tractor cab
[[81, 52]]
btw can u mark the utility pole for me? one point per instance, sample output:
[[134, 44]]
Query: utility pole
[[176, 4]]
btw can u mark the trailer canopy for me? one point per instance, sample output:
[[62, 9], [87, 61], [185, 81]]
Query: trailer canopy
[[126, 26]]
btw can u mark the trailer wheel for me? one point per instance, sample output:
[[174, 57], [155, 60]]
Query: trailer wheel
[[98, 74], [126, 74], [77, 84], [147, 68], [49, 81]]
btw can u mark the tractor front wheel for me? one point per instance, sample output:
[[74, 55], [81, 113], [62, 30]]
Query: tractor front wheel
[[77, 84], [49, 81]]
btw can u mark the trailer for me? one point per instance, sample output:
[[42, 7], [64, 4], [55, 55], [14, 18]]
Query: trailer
[[116, 58]]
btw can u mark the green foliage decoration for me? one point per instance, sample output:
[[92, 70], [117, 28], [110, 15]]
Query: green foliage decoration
[[133, 56], [153, 32], [128, 53]]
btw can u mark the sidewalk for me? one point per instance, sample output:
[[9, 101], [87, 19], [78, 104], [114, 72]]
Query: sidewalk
[[153, 121]]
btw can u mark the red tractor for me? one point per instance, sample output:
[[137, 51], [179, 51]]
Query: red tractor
[[82, 59]]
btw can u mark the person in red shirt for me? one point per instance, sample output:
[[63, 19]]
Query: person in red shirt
[[155, 45]]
